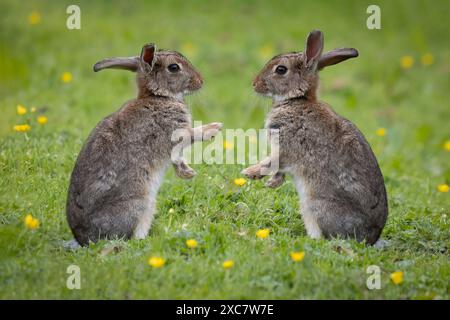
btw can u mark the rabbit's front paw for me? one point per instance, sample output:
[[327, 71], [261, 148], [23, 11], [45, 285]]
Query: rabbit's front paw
[[211, 129], [183, 171], [275, 181], [253, 172]]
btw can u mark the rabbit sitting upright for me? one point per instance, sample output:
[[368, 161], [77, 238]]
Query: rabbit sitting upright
[[339, 182], [118, 172]]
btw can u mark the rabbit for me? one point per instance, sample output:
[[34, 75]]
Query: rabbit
[[119, 170], [337, 177]]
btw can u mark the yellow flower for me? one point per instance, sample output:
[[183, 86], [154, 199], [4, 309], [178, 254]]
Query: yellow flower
[[156, 262], [266, 52], [397, 277], [34, 17], [427, 59], [191, 243], [42, 119], [406, 62], [263, 233], [33, 109], [227, 145], [381, 132], [447, 145], [22, 128], [239, 181], [228, 264], [21, 110], [189, 49], [66, 77], [31, 223], [297, 256], [443, 187]]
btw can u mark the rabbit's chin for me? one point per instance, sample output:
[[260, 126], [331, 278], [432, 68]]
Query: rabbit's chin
[[278, 98], [275, 97], [188, 92], [264, 94]]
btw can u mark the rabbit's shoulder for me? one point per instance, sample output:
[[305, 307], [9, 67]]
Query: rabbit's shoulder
[[298, 114], [155, 109]]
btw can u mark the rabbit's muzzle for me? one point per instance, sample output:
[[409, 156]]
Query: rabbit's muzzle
[[260, 86], [195, 84]]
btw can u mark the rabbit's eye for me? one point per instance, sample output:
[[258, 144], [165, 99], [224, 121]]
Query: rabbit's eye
[[173, 67], [281, 70]]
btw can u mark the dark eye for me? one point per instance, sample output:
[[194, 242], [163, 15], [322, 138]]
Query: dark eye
[[281, 70], [173, 67]]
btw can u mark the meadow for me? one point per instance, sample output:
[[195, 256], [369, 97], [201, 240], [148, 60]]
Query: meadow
[[396, 92]]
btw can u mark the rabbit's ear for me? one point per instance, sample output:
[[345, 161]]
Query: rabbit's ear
[[131, 64], [335, 56], [148, 54], [314, 47]]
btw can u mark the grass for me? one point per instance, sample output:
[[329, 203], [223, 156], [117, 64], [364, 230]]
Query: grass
[[228, 42]]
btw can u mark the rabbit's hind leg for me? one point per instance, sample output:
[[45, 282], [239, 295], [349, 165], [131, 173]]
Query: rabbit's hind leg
[[336, 220], [121, 220]]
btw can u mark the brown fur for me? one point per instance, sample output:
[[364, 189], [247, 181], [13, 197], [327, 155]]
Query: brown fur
[[340, 184], [118, 172]]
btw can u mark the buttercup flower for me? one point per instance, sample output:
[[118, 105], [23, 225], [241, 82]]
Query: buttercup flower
[[34, 18], [156, 262], [66, 77], [406, 62], [228, 264], [33, 109], [22, 128], [266, 52], [191, 243], [42, 119], [397, 277], [189, 49], [21, 110], [427, 59], [447, 145], [263, 233], [227, 145], [30, 222], [381, 132], [443, 187], [239, 181], [297, 256]]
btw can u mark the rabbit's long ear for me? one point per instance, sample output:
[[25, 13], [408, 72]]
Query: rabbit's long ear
[[148, 55], [131, 64], [314, 47], [335, 56]]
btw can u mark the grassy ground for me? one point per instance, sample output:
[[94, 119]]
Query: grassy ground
[[229, 43]]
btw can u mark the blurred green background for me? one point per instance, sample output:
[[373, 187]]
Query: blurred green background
[[396, 92]]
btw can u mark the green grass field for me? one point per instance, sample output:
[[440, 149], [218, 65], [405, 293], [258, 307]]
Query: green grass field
[[400, 83]]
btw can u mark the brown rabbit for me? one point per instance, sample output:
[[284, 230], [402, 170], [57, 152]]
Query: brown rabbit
[[337, 176], [118, 172]]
